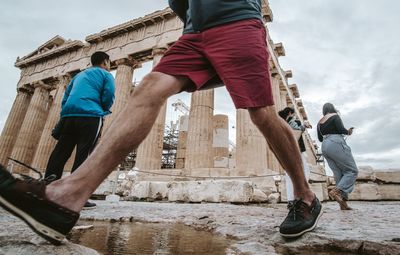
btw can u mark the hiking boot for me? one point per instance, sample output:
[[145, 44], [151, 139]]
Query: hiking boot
[[89, 205], [302, 218], [336, 194], [27, 200]]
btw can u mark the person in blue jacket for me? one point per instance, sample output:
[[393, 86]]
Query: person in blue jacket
[[87, 99]]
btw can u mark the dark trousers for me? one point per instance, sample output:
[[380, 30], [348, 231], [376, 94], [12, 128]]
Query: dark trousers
[[82, 132]]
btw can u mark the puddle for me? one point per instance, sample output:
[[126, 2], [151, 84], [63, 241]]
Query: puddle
[[148, 238]]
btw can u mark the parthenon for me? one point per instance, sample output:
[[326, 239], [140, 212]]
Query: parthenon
[[203, 148]]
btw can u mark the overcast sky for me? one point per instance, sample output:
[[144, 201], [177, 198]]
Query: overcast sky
[[345, 51]]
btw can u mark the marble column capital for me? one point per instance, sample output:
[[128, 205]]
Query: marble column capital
[[25, 89], [159, 50], [129, 61], [42, 85], [64, 80]]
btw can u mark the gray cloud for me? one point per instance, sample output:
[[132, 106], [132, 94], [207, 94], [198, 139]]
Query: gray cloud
[[347, 53]]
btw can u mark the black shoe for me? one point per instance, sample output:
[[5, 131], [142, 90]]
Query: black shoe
[[302, 218], [27, 200], [89, 205]]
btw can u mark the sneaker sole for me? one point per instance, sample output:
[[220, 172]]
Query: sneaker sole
[[89, 208], [47, 233], [304, 231]]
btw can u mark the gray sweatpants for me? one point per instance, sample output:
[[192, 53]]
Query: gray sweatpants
[[338, 155]]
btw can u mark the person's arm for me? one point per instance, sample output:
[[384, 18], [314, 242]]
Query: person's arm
[[296, 124], [108, 94], [339, 126], [67, 92], [320, 137]]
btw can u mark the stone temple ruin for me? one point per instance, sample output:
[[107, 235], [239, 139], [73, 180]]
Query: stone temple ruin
[[206, 169]]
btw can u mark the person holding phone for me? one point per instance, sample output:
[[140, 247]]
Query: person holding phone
[[289, 115], [338, 154]]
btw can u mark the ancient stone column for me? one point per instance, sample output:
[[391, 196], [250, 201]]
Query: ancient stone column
[[199, 153], [182, 141], [251, 146], [149, 152], [276, 91], [283, 99], [13, 124], [32, 127], [123, 85], [221, 140], [47, 142]]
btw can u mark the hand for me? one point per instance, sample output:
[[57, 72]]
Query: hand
[[351, 130], [307, 125]]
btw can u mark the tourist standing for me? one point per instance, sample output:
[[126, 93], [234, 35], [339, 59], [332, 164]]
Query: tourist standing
[[338, 154], [87, 99], [288, 114]]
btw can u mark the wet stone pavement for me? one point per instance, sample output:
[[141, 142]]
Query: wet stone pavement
[[168, 228]]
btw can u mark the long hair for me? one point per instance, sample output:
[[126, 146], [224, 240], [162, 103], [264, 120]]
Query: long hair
[[285, 112], [329, 108]]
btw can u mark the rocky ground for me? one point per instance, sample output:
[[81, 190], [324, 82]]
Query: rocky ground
[[372, 228]]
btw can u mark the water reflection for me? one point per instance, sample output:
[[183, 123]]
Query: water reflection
[[138, 238]]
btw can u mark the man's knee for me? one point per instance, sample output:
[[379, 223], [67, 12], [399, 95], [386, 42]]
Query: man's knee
[[263, 116], [159, 85]]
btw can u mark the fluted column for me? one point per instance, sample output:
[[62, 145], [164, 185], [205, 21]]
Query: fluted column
[[221, 140], [32, 127], [199, 153], [182, 142], [47, 142], [123, 86], [251, 146], [283, 99], [276, 91], [149, 152], [13, 124]]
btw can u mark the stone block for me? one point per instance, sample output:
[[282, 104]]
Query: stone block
[[374, 191], [259, 196], [211, 191], [317, 177], [388, 176], [317, 169], [159, 190], [266, 185], [140, 190], [365, 173], [320, 190], [207, 172], [365, 191], [106, 186], [389, 191], [274, 198]]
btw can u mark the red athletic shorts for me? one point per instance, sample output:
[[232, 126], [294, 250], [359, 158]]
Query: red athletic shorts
[[235, 53]]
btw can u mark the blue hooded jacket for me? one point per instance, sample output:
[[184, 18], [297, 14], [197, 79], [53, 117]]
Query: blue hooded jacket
[[90, 93]]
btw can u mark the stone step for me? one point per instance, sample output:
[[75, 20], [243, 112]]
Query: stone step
[[374, 191]]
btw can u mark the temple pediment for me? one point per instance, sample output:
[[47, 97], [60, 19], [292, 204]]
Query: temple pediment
[[54, 46], [53, 43]]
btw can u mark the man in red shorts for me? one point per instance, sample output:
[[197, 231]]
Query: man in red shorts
[[223, 40]]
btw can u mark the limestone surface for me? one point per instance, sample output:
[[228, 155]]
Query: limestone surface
[[371, 228]]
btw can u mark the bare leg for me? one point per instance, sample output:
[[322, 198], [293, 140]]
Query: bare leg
[[283, 144], [127, 131]]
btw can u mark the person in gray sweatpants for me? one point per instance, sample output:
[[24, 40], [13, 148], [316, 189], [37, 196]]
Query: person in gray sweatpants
[[338, 154]]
